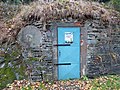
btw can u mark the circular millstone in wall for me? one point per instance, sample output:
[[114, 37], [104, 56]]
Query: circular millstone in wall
[[30, 36]]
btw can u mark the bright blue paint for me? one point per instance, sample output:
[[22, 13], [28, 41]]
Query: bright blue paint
[[69, 54]]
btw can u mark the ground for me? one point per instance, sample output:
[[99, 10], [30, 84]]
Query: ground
[[109, 82]]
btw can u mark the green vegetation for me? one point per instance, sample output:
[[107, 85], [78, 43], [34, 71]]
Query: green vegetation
[[17, 1], [84, 78], [110, 82], [115, 4], [6, 76], [12, 67]]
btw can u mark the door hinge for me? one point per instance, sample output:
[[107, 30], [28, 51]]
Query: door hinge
[[63, 64], [62, 44]]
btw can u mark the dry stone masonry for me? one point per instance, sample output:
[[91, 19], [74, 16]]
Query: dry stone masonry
[[103, 56], [40, 49], [100, 53]]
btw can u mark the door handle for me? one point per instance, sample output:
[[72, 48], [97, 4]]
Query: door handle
[[59, 53]]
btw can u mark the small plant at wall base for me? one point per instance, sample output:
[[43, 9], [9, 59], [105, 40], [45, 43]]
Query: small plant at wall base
[[85, 78]]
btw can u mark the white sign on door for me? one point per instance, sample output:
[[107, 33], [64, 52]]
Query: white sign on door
[[68, 37]]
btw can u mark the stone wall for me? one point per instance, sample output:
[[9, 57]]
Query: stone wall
[[103, 56], [100, 52]]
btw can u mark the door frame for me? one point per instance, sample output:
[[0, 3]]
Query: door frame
[[58, 46]]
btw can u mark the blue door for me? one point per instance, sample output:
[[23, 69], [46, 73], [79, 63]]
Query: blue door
[[68, 53]]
